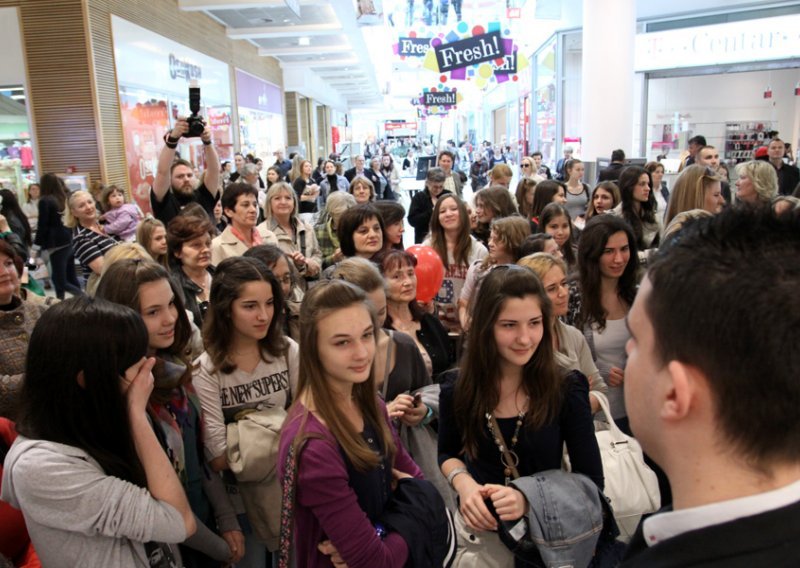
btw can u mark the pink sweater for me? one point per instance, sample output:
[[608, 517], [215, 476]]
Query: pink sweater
[[327, 507]]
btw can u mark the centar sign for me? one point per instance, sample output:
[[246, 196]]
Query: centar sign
[[466, 52]]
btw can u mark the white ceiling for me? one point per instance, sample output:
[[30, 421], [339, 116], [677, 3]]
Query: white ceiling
[[325, 54]]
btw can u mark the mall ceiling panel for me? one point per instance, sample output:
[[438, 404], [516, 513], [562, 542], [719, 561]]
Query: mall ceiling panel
[[312, 58], [278, 16], [311, 41]]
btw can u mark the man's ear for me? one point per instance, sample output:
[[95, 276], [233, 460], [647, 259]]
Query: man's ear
[[684, 390], [81, 378]]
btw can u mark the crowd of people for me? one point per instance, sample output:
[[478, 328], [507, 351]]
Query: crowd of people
[[247, 376]]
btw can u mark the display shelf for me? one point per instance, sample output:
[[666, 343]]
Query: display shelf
[[741, 138]]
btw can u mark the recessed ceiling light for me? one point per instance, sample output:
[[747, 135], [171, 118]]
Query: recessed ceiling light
[[304, 41]]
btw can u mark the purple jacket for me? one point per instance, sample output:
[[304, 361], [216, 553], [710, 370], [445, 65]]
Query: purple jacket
[[122, 221], [327, 507]]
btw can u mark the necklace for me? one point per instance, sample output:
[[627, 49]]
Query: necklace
[[508, 457]]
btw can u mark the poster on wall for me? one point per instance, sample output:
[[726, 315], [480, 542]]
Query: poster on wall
[[143, 126]]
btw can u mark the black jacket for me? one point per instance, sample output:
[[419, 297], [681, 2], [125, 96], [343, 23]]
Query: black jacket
[[419, 213], [367, 173], [769, 539], [611, 173], [788, 178], [51, 232], [418, 513]]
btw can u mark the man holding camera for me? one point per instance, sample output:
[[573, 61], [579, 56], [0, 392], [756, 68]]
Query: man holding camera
[[175, 185]]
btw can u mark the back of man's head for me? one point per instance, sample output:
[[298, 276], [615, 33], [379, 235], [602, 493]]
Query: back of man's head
[[618, 155], [698, 141], [724, 301]]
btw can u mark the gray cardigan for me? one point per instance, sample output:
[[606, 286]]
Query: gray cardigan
[[77, 515]]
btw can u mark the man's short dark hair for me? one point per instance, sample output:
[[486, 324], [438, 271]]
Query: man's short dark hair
[[232, 192], [446, 153], [618, 155], [537, 153], [180, 162], [724, 300], [352, 220], [699, 140]]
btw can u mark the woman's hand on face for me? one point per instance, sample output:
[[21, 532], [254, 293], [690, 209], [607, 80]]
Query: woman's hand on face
[[616, 377], [235, 540], [473, 509], [327, 548], [509, 502], [137, 384], [400, 405]]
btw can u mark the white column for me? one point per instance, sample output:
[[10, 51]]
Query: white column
[[609, 30]]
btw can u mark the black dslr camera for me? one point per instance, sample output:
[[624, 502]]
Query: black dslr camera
[[196, 123]]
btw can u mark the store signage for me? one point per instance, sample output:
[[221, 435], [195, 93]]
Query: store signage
[[256, 94], [184, 69], [467, 52], [390, 126], [446, 98], [150, 65], [765, 39], [509, 64], [413, 46]]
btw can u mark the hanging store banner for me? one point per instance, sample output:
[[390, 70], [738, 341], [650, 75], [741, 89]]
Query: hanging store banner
[[485, 55], [412, 46], [446, 98], [467, 52]]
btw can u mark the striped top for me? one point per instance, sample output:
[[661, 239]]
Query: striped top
[[89, 245]]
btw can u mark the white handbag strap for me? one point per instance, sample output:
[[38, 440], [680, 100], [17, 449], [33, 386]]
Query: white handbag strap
[[612, 426]]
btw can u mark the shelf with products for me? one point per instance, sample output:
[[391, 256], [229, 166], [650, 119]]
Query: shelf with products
[[742, 138]]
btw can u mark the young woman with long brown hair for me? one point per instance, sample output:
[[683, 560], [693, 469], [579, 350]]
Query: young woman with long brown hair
[[248, 365], [174, 408], [509, 380], [450, 238], [345, 469]]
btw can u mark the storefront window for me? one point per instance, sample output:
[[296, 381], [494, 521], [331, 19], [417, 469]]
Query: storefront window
[[545, 101], [260, 104], [154, 75], [16, 153]]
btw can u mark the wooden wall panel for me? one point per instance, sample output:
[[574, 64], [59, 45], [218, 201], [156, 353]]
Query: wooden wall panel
[[292, 116], [60, 91]]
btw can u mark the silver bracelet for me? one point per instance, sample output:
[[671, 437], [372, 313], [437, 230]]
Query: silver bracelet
[[452, 475]]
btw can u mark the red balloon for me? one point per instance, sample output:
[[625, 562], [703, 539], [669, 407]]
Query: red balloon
[[429, 271]]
